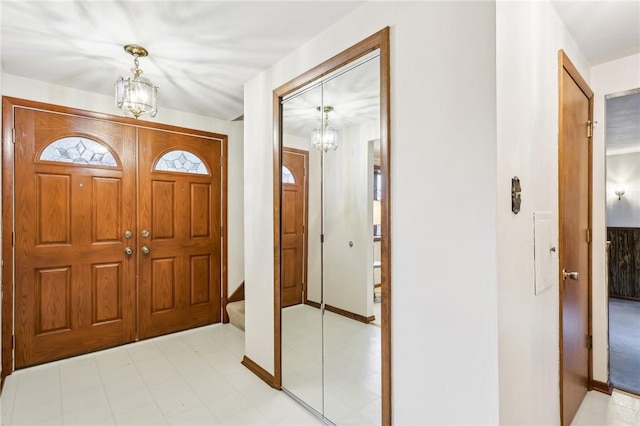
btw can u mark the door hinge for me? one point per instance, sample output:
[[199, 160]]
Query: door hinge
[[13, 239], [590, 125], [13, 341], [13, 136], [589, 342], [322, 238], [588, 236]]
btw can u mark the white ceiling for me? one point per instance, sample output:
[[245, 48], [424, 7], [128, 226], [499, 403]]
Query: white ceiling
[[622, 132], [200, 52], [203, 51]]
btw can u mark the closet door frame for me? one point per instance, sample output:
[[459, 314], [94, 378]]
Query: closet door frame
[[379, 40], [8, 258]]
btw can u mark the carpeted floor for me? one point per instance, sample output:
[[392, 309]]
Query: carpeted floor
[[624, 344]]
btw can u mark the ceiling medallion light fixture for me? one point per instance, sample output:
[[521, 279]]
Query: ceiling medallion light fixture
[[325, 138], [136, 95]]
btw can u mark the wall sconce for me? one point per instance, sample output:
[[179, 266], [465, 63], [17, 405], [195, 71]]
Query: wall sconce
[[619, 191]]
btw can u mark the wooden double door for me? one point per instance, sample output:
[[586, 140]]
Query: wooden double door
[[117, 233]]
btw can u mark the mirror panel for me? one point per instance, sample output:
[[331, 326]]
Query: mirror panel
[[331, 350], [352, 346], [301, 252]]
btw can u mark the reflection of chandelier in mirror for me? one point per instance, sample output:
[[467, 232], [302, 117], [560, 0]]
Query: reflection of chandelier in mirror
[[325, 138], [136, 95]]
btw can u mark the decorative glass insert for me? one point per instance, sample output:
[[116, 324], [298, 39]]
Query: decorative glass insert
[[78, 150], [287, 176], [181, 162]]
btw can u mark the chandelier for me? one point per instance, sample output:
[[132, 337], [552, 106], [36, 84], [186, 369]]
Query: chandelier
[[325, 138], [136, 95]]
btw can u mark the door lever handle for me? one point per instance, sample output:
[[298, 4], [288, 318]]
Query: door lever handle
[[571, 275]]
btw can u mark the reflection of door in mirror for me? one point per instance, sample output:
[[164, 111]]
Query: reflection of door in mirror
[[294, 218], [331, 353]]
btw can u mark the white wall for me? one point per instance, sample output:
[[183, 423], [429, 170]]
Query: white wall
[[443, 174], [529, 35], [43, 92], [348, 212], [623, 169], [611, 77]]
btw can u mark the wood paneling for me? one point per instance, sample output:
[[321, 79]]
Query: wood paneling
[[163, 209], [163, 287], [53, 194], [200, 273], [107, 292], [107, 205], [200, 214], [53, 305], [624, 262]]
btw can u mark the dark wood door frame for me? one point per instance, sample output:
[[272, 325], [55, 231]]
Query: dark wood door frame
[[305, 218], [379, 40], [8, 105], [565, 65]]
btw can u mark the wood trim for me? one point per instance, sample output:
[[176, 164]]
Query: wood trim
[[224, 191], [623, 298], [305, 216], [277, 243], [8, 105], [312, 304], [344, 313], [237, 295], [565, 64], [7, 235], [603, 387], [379, 40], [25, 103], [260, 372]]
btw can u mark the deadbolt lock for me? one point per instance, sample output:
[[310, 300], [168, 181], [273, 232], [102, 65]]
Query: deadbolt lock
[[145, 233], [128, 234]]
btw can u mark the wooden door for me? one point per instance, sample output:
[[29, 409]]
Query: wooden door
[[294, 201], [575, 207], [179, 205], [74, 199]]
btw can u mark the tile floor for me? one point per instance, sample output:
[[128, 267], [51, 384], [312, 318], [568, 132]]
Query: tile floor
[[598, 409], [189, 378], [351, 359]]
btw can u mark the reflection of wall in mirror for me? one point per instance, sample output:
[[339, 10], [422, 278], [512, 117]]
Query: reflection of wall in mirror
[[348, 280], [623, 170]]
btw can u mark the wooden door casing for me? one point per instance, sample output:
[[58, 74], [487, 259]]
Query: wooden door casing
[[75, 288], [180, 278], [574, 223], [294, 211]]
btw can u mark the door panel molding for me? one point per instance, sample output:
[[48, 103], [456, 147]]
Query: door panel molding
[[102, 177]]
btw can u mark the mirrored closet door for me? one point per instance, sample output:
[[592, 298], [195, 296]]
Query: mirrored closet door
[[331, 265]]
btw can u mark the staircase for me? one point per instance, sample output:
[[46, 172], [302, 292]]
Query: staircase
[[235, 307], [236, 313]]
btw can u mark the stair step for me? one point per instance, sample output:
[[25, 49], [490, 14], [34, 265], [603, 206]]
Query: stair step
[[236, 313]]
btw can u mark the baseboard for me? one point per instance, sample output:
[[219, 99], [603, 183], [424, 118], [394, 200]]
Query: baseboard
[[351, 315], [602, 387], [259, 371]]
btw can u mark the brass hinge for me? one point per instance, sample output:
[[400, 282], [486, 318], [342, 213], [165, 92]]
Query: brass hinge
[[13, 136], [588, 236], [13, 239], [590, 125], [589, 342]]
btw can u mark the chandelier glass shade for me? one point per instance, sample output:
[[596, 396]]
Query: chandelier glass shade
[[325, 138], [136, 95]]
